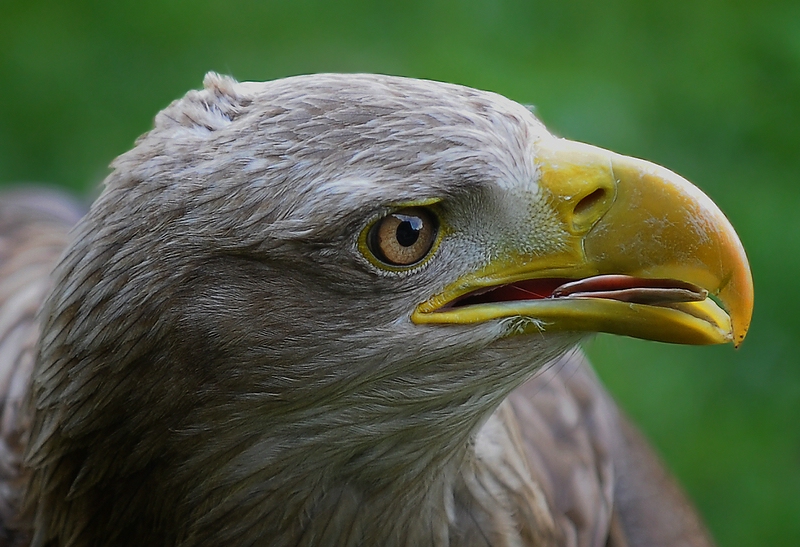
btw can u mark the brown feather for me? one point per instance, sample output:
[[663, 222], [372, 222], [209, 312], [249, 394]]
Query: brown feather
[[33, 234]]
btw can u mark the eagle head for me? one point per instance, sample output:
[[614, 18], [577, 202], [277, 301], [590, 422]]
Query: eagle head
[[302, 299]]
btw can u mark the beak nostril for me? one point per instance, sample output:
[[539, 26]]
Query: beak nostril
[[587, 203]]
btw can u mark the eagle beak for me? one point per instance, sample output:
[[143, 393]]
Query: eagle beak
[[642, 253]]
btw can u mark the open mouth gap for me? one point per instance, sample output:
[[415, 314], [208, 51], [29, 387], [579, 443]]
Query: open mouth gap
[[624, 288]]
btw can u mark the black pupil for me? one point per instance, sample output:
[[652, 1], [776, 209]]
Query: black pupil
[[408, 230]]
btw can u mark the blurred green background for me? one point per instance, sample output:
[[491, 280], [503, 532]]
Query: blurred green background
[[710, 89]]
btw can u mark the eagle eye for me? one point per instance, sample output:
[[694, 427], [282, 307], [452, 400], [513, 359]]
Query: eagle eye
[[404, 237]]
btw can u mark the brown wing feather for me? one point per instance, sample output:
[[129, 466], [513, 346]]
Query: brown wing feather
[[650, 508], [567, 428], [33, 233], [603, 482]]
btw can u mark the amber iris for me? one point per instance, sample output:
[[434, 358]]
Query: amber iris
[[404, 237]]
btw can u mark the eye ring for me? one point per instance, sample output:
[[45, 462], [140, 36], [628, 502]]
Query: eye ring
[[403, 238]]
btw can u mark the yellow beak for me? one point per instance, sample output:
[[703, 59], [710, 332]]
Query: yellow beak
[[643, 253]]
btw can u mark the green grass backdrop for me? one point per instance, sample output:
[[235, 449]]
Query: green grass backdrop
[[708, 88]]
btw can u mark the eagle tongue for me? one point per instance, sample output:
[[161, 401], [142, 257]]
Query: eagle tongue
[[627, 288]]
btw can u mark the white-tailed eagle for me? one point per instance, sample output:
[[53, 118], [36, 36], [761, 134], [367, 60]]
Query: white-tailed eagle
[[342, 310]]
